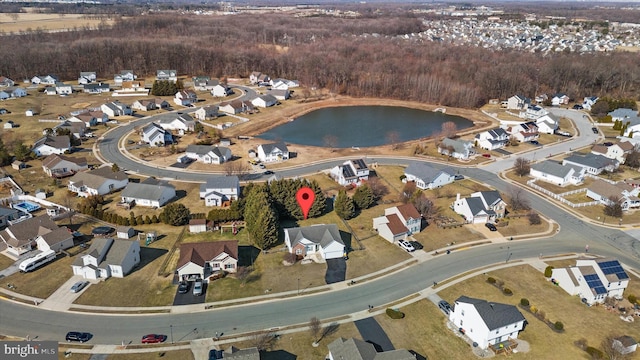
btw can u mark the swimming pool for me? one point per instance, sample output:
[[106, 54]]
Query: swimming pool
[[26, 206]]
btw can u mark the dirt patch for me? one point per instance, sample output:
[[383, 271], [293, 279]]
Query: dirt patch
[[81, 105]]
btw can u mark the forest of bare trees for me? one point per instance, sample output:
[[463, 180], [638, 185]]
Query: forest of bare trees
[[357, 57]]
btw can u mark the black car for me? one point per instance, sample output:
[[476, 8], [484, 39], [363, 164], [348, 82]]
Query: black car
[[183, 288], [102, 230], [534, 142], [491, 227], [577, 107], [595, 130], [215, 354], [444, 306], [78, 336], [268, 172]]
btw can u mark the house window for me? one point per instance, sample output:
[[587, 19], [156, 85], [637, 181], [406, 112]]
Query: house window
[[460, 322], [298, 251], [496, 331], [462, 312], [228, 266]]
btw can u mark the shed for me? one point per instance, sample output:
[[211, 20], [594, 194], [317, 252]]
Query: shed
[[17, 165], [125, 232]]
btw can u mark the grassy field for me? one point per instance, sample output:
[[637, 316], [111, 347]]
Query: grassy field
[[44, 281], [31, 21]]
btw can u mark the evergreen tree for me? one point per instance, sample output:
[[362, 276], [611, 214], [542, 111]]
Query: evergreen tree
[[175, 214], [363, 197], [22, 152], [343, 206], [5, 157], [261, 218]]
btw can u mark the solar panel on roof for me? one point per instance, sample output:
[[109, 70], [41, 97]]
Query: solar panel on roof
[[613, 267], [600, 290], [594, 283], [591, 277]]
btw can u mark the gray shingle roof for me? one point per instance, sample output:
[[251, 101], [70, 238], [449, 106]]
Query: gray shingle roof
[[145, 191], [268, 148], [323, 234], [591, 160], [494, 315], [425, 172], [554, 168], [221, 182], [355, 349]]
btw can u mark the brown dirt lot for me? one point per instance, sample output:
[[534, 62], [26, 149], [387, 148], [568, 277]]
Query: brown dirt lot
[[26, 21]]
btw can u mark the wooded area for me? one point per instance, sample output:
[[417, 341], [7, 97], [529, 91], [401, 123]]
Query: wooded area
[[362, 57]]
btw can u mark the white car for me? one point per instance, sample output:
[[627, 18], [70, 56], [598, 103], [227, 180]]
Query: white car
[[406, 245], [197, 288]]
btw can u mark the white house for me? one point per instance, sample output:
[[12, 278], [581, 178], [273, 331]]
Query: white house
[[125, 75], [603, 191], [518, 102], [318, 242], [547, 124], [98, 88], [107, 257], [523, 132], [204, 259], [149, 104], [167, 75], [100, 181], [486, 323], [220, 190], [273, 152], [264, 101], [617, 151], [6, 82], [125, 232], [625, 344], [59, 166], [50, 90], [534, 112], [593, 280], [48, 145], [236, 107], [398, 222], [279, 94], [208, 154], [56, 240], [458, 149], [560, 99], [185, 97], [150, 193], [593, 163], [258, 78], [180, 122], [351, 172], [155, 135], [207, 112], [63, 89], [556, 173], [20, 237], [46, 80], [221, 90], [480, 207], [116, 108], [87, 77], [492, 139], [588, 102], [426, 176]]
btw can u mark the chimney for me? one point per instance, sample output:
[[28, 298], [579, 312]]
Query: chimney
[[458, 197]]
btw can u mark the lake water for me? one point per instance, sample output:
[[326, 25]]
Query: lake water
[[362, 126]]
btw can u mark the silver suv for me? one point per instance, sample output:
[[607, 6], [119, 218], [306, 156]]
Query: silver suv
[[197, 288]]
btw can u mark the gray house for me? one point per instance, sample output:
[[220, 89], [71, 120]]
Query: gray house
[[428, 177], [355, 349], [458, 149], [151, 193], [592, 163]]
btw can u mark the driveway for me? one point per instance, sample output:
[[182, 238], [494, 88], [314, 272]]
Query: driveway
[[188, 298], [336, 270], [373, 333]]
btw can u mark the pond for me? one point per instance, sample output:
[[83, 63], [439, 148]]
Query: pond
[[362, 126]]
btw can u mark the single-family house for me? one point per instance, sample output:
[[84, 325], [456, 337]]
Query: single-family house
[[556, 173], [560, 99], [208, 154], [200, 225], [31, 112], [235, 107], [75, 128], [398, 222], [181, 122], [85, 118], [458, 149], [593, 163], [185, 97], [258, 78], [625, 344], [148, 104], [318, 242], [264, 101], [480, 207], [167, 75], [136, 86], [220, 190], [233, 353], [150, 193], [518, 102], [96, 88], [616, 151], [603, 192], [533, 112], [107, 257], [116, 108], [426, 176], [124, 75], [204, 83], [59, 166], [63, 89], [12, 92], [56, 240], [593, 280], [154, 135], [492, 139], [207, 112], [273, 152], [87, 77], [547, 124], [351, 172], [524, 132], [6, 82], [48, 145], [486, 323], [45, 80], [7, 215], [588, 102], [283, 84], [280, 94], [624, 115], [203, 259], [9, 124], [100, 181], [221, 90], [50, 90], [21, 237], [342, 349], [125, 232]]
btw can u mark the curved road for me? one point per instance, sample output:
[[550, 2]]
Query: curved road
[[22, 320]]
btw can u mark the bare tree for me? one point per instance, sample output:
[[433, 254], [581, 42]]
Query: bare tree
[[393, 138], [613, 207], [534, 218], [242, 274], [408, 191], [237, 168], [522, 166], [315, 329], [449, 129], [612, 347], [632, 159], [330, 141], [518, 199], [425, 206], [264, 341], [379, 189]]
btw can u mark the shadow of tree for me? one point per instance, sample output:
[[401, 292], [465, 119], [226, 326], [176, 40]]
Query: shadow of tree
[[330, 330]]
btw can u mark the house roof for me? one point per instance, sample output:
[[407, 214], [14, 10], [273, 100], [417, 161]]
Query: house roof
[[591, 160], [408, 211], [97, 250], [123, 229], [323, 234], [199, 149], [268, 148], [459, 146], [553, 168], [54, 159], [57, 142], [475, 205], [6, 211], [395, 225], [27, 230], [491, 197], [626, 340], [599, 148], [425, 172], [494, 315], [199, 253], [148, 190], [220, 182], [94, 178], [267, 98], [56, 236], [198, 222], [607, 190], [234, 353], [118, 252], [355, 349], [626, 146]]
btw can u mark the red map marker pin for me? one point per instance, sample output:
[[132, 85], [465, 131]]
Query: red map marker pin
[[305, 197]]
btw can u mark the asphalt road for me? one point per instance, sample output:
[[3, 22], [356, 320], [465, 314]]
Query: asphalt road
[[22, 320]]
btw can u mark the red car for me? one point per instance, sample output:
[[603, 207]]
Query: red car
[[153, 339]]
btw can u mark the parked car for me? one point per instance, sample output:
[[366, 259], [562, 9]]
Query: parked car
[[458, 177], [577, 107], [534, 142], [594, 129], [102, 230], [77, 287], [197, 288], [406, 245], [154, 338], [183, 287], [486, 155], [78, 336], [444, 306], [608, 143], [491, 227], [268, 172], [215, 354]]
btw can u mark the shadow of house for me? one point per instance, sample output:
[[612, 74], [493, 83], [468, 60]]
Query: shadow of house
[[247, 255], [180, 194], [346, 239], [147, 256], [277, 355]]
